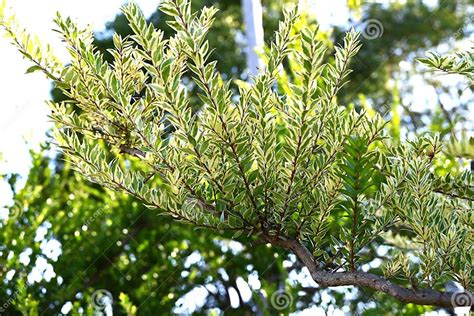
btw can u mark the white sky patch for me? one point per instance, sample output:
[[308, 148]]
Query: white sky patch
[[66, 308], [10, 274], [254, 282], [190, 301], [24, 257], [329, 13], [51, 248], [234, 297], [244, 289]]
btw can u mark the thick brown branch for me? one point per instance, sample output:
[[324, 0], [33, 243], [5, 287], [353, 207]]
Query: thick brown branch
[[364, 279]]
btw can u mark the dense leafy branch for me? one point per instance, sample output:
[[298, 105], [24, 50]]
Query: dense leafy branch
[[294, 168], [461, 63]]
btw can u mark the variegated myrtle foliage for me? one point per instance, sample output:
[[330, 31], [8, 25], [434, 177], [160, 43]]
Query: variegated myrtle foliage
[[294, 168], [461, 63]]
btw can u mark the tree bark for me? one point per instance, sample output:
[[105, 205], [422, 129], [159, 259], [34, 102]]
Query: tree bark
[[364, 279]]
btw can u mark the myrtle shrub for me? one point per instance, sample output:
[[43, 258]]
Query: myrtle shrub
[[291, 167]]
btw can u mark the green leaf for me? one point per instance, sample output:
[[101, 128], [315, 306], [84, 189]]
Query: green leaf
[[33, 69]]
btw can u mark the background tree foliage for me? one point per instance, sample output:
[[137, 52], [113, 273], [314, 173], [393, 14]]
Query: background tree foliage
[[111, 270]]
